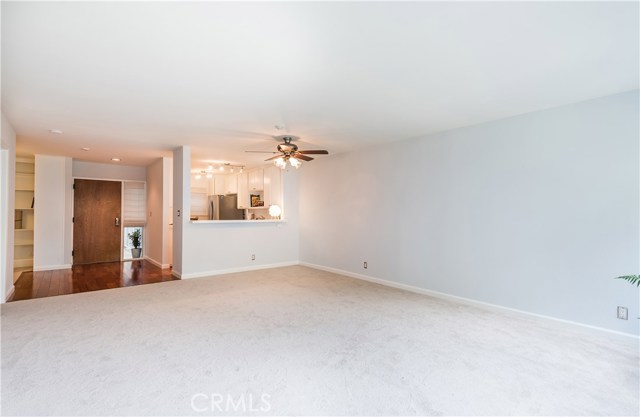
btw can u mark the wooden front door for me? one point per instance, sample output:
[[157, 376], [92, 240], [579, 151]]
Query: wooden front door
[[96, 221]]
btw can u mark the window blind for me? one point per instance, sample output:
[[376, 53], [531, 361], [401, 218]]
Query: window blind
[[135, 204]]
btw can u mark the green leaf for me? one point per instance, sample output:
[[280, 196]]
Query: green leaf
[[633, 279]]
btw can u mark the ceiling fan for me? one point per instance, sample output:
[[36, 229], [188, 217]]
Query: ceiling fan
[[288, 152]]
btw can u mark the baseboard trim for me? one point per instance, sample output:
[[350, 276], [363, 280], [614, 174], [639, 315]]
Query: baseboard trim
[[235, 270], [470, 301], [156, 263], [12, 291], [51, 267]]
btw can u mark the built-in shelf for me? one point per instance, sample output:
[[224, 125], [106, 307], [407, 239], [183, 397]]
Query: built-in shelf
[[24, 214], [24, 243], [23, 263]]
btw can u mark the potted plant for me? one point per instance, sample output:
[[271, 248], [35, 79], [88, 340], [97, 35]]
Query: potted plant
[[135, 238], [633, 279]]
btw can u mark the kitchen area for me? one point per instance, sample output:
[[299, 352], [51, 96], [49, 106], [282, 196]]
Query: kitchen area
[[228, 193]]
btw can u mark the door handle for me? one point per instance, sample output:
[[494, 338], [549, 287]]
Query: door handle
[[117, 221]]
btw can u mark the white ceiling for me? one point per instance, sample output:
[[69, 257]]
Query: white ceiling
[[135, 80]]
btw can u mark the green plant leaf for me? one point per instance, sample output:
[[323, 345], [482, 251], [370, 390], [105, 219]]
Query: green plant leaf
[[633, 279]]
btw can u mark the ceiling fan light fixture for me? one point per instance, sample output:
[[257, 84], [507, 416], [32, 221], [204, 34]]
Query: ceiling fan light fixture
[[280, 163], [295, 162]]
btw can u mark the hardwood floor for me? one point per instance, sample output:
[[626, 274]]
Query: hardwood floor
[[83, 278]]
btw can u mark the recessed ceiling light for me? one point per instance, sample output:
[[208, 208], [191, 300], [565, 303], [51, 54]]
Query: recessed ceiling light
[[115, 159], [55, 131], [86, 149]]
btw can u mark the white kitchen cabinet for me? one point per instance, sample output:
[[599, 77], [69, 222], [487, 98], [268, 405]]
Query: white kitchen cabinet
[[219, 185], [230, 184], [243, 191], [203, 183], [272, 186], [256, 180]]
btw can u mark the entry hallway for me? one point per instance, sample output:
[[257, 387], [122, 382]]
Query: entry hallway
[[297, 340], [91, 277]]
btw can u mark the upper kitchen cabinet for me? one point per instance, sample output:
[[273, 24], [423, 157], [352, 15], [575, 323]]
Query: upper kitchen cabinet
[[256, 180], [272, 186], [225, 184], [203, 184], [243, 191], [219, 184], [230, 184]]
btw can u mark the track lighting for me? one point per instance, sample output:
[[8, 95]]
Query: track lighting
[[211, 170]]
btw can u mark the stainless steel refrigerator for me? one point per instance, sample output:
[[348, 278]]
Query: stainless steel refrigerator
[[224, 207]]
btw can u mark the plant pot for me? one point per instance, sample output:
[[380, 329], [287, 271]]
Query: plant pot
[[136, 252]]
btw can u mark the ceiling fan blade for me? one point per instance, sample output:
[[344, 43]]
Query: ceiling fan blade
[[273, 157], [261, 151], [298, 155], [317, 152]]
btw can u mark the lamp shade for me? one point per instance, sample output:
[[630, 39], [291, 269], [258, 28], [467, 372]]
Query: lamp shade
[[275, 211]]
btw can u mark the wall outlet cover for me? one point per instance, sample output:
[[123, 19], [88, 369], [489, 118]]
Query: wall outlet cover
[[623, 313]]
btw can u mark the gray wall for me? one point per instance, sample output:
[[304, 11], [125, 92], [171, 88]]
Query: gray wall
[[536, 212]]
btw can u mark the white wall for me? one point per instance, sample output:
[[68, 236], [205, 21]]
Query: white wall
[[158, 205], [68, 215], [215, 248], [181, 199], [93, 170], [537, 212], [52, 224], [7, 206], [167, 172], [211, 248]]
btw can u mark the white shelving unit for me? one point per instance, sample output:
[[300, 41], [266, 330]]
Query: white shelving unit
[[24, 216]]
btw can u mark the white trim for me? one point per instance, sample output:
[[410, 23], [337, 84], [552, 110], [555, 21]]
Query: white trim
[[51, 267], [156, 263], [237, 221], [11, 292], [176, 274], [108, 179], [482, 304], [234, 270]]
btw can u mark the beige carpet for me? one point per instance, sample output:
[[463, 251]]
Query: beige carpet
[[300, 341]]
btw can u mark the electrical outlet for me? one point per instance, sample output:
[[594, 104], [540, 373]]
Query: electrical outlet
[[253, 257], [365, 265], [623, 313]]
